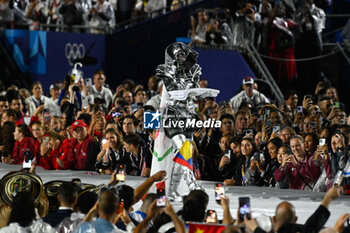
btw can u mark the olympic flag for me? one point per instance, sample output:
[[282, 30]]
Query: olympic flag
[[163, 150]]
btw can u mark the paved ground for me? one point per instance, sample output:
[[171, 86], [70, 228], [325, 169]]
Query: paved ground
[[263, 199]]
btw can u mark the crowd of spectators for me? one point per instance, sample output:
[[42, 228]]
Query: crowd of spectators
[[280, 30], [301, 144], [100, 16]]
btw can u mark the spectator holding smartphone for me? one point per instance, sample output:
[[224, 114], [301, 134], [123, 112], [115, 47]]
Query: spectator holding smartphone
[[300, 167], [38, 99], [113, 153]]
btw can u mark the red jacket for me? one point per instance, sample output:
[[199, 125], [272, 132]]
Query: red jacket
[[37, 145], [25, 145], [81, 151], [307, 168], [98, 136], [65, 153]]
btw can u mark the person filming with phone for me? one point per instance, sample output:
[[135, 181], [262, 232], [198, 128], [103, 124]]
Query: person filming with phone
[[112, 151], [299, 166]]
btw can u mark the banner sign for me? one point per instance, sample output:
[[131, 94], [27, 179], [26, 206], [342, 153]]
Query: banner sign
[[48, 56]]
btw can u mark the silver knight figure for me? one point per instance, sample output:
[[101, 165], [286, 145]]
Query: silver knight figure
[[180, 75]]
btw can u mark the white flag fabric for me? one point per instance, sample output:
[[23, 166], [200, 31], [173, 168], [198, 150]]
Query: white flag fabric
[[163, 149], [193, 92], [346, 171]]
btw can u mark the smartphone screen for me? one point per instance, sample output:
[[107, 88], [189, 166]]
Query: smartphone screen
[[244, 207], [300, 110], [266, 114], [276, 129], [26, 120], [336, 105], [121, 173], [27, 164], [219, 192], [211, 216], [322, 142], [88, 82], [105, 144], [161, 201], [228, 154]]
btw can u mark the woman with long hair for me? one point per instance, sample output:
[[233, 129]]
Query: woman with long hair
[[266, 164], [8, 141], [111, 152], [244, 163], [24, 146], [38, 134], [311, 142]]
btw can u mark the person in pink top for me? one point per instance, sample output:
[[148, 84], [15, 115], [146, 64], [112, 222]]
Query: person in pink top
[[300, 167]]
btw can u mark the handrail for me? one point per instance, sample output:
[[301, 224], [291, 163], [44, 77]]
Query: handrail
[[338, 15], [250, 50], [265, 73], [343, 52]]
